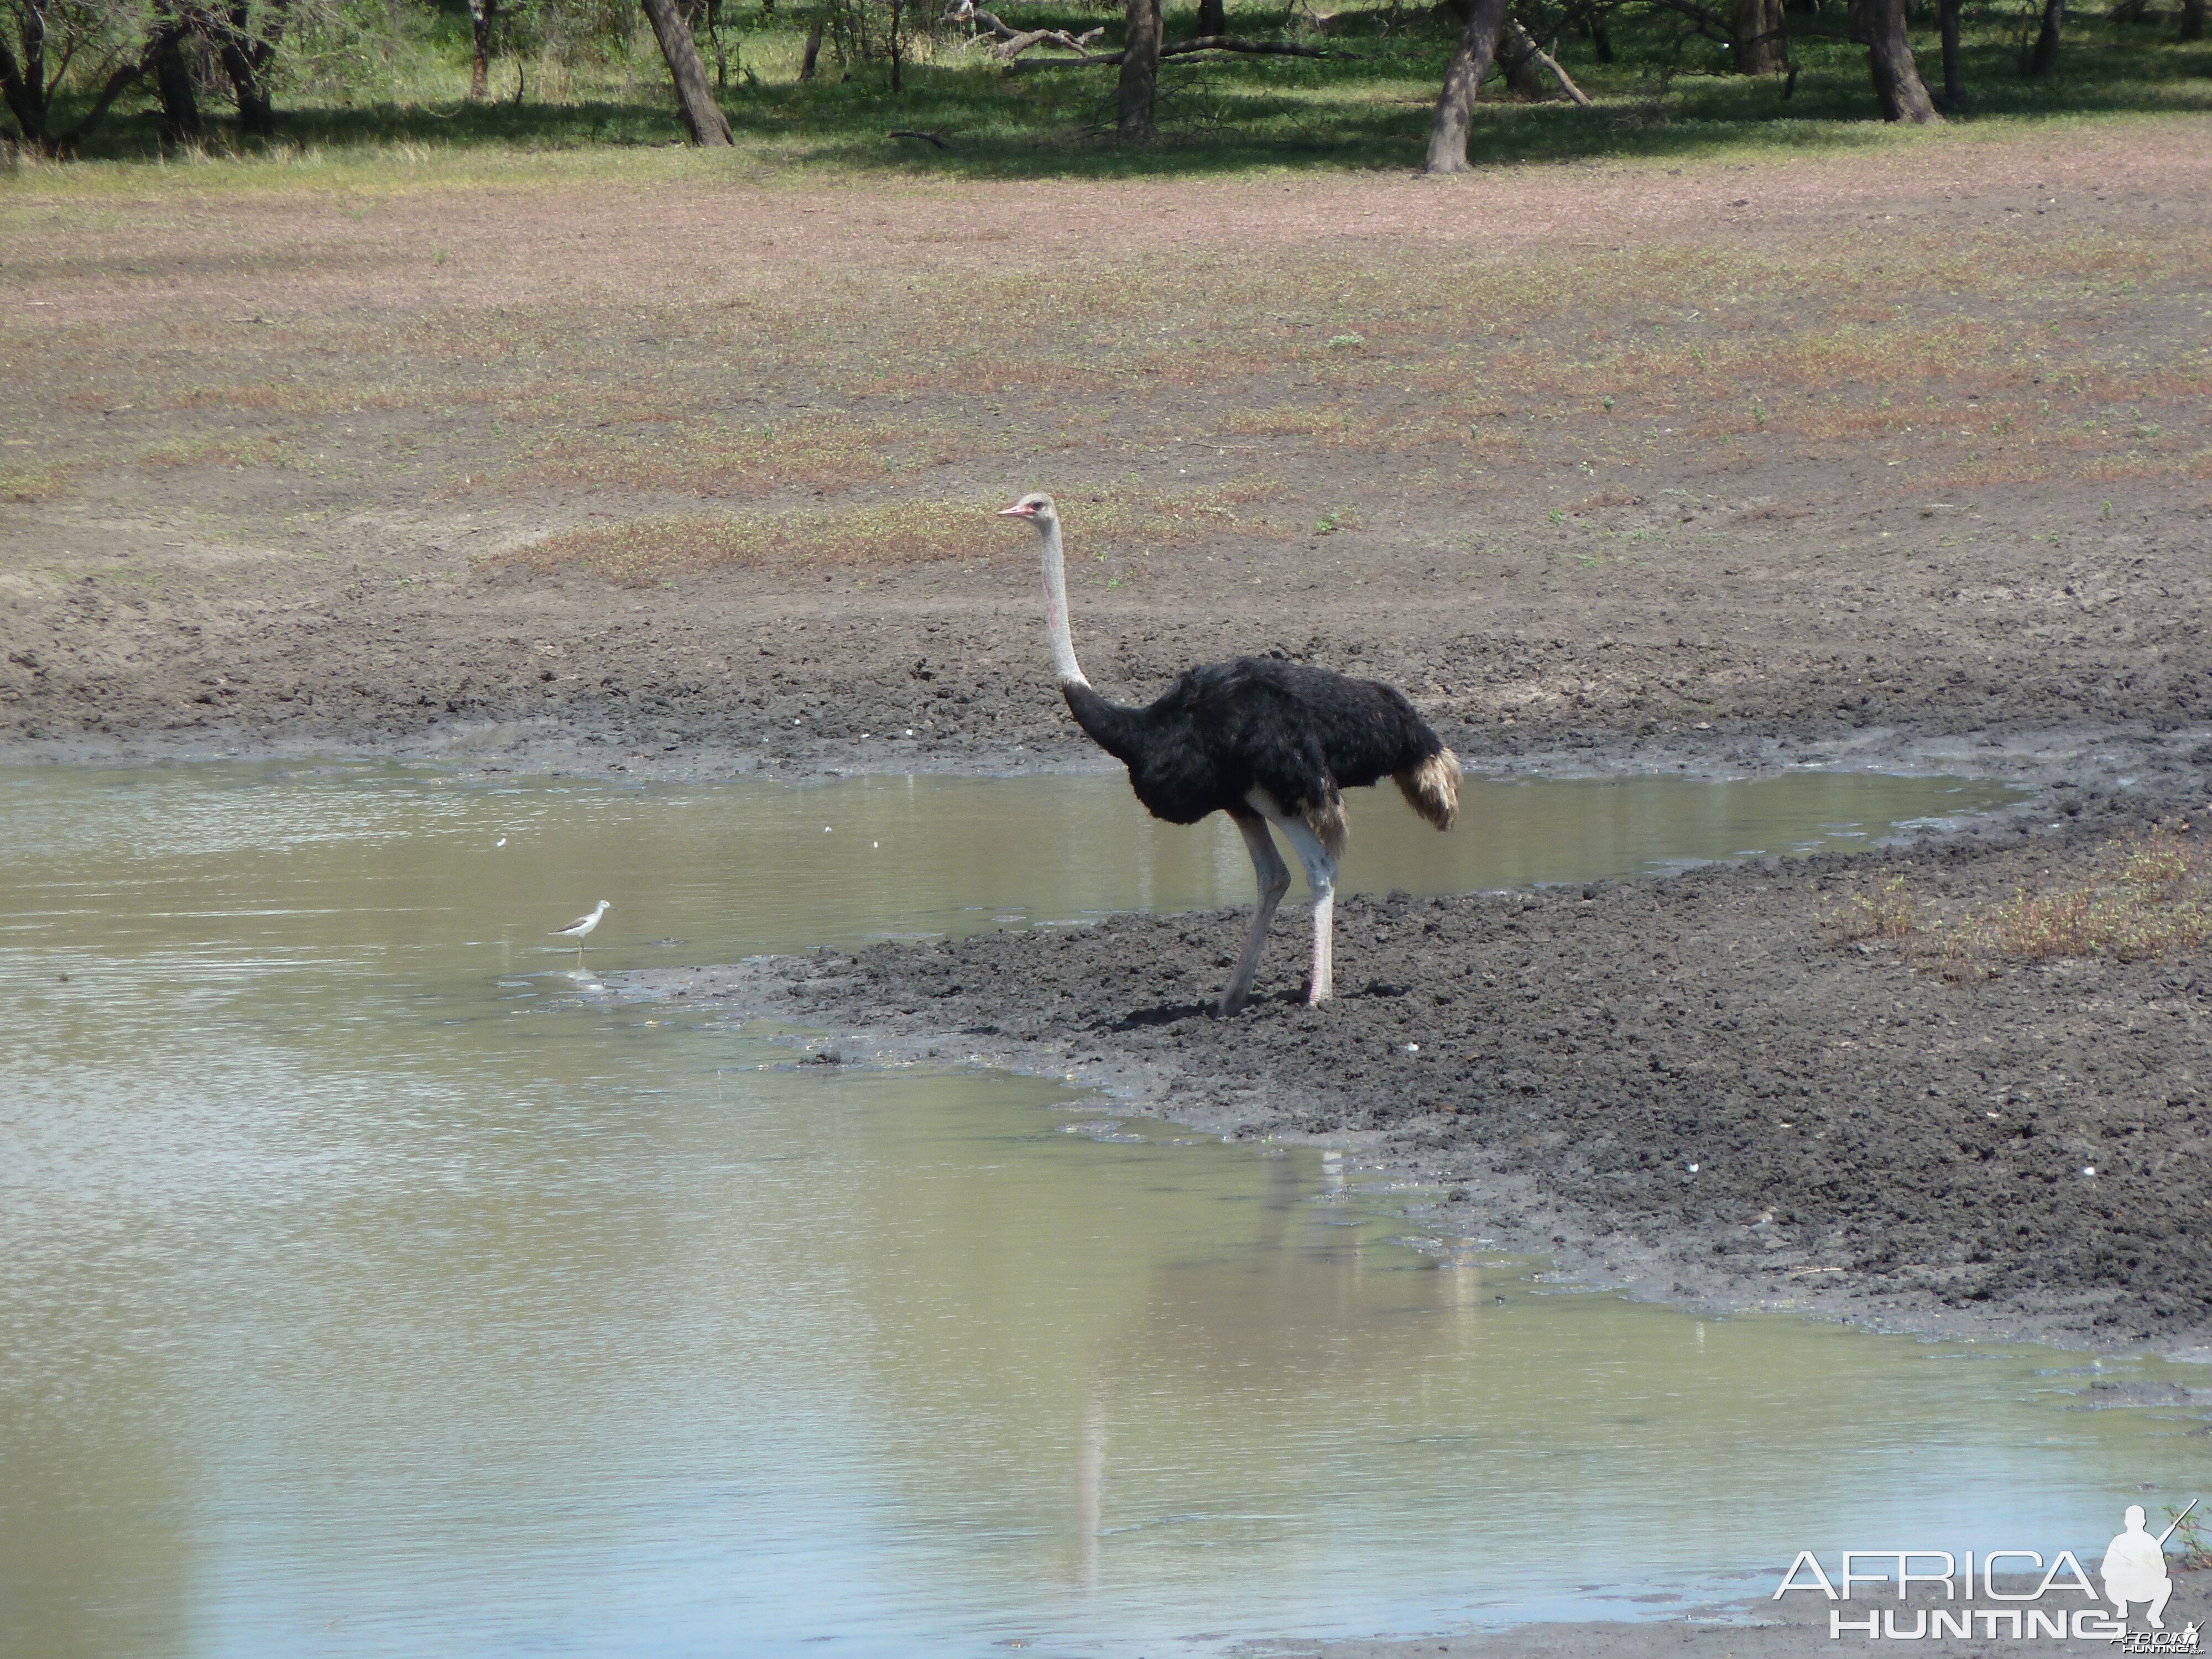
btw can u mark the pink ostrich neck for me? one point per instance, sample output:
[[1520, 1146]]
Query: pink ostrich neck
[[1064, 666]]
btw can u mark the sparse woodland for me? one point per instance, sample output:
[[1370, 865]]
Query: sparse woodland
[[1025, 83]]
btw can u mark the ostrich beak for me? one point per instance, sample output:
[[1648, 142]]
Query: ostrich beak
[[1019, 510]]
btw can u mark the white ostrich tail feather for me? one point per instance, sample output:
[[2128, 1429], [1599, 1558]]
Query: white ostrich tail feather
[[1326, 819], [1432, 787]]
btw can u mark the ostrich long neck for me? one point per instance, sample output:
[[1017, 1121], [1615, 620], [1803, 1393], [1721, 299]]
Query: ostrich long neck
[[1064, 667]]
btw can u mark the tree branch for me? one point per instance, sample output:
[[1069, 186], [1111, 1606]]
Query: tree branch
[[1229, 43], [1525, 43], [21, 104], [1183, 48], [126, 76], [1708, 24], [1014, 42]]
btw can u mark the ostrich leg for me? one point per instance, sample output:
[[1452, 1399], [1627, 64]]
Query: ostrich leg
[[1274, 877], [1320, 876]]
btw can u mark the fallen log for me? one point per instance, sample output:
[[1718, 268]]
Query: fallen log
[[1182, 48]]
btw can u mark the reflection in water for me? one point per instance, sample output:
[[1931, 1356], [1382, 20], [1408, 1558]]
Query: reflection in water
[[376, 1285]]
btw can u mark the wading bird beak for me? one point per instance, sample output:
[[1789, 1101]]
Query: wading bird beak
[[1019, 510]]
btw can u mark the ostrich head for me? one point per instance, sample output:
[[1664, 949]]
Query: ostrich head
[[1036, 507]]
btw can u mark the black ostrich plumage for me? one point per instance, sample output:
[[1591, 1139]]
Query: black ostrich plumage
[[1303, 734]]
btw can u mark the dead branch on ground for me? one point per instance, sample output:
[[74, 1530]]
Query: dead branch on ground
[[1013, 42], [1200, 42], [1525, 47]]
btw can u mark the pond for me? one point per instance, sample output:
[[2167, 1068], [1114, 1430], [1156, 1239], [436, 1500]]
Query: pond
[[378, 1285]]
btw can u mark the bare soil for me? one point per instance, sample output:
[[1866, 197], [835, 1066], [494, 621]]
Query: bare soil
[[1912, 439], [1893, 456]]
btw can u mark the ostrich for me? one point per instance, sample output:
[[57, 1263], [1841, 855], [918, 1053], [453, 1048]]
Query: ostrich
[[1265, 741]]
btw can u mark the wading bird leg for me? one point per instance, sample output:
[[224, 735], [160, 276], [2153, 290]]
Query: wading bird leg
[[1320, 876], [1274, 878]]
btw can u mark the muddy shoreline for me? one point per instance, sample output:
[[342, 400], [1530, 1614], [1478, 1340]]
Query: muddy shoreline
[[1695, 1019], [1934, 498], [1872, 1142]]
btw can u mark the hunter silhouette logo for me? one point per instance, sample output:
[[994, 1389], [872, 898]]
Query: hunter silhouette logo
[[1966, 1597]]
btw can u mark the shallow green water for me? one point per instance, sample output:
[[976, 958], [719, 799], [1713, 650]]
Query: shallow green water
[[375, 1285]]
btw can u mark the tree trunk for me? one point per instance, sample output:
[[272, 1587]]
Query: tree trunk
[[813, 53], [24, 83], [1516, 56], [1470, 62], [1954, 83], [708, 126], [1140, 70], [484, 16], [24, 86], [1755, 32], [1601, 37], [721, 52], [1896, 83], [246, 57], [180, 120], [2193, 20], [1212, 17], [898, 8], [2042, 56]]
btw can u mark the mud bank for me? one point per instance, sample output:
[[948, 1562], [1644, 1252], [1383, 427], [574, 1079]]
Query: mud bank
[[1678, 1086]]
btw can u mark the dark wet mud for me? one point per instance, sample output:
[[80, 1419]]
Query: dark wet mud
[[1682, 1086]]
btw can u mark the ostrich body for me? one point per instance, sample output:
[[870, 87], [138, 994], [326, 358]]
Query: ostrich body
[[1266, 742]]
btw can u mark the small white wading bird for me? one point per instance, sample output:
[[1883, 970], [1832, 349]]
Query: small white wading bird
[[583, 925]]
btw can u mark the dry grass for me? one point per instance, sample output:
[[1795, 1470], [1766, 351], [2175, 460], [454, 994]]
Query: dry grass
[[2140, 898], [713, 458], [2143, 898], [1889, 913], [642, 551], [234, 453], [31, 481], [521, 333]]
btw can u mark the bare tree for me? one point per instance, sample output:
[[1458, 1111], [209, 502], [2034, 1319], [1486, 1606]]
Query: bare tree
[[709, 127], [1471, 61], [1141, 69], [1896, 83]]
